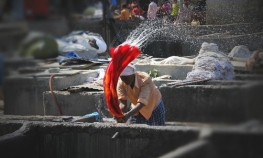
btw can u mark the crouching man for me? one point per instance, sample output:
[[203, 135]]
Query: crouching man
[[146, 101]]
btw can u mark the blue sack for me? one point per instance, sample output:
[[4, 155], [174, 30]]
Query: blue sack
[[94, 114]]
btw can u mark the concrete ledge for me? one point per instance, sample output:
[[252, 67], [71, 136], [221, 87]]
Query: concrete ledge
[[214, 103], [52, 139], [24, 95], [17, 143], [75, 104], [176, 71]]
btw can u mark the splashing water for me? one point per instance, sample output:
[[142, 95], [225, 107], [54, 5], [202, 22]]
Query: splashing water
[[123, 54], [137, 40], [155, 30]]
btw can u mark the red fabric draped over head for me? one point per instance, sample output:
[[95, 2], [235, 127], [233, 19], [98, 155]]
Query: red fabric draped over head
[[121, 57]]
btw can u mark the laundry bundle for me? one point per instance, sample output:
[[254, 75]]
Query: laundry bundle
[[211, 64], [82, 45]]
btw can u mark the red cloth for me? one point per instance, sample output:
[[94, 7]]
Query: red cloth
[[121, 57]]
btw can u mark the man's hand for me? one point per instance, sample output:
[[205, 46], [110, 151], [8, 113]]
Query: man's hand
[[130, 113], [121, 119]]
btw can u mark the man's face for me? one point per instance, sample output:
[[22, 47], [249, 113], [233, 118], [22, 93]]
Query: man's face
[[128, 80]]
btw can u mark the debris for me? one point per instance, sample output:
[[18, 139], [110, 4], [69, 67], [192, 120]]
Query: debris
[[153, 73], [54, 70], [115, 135]]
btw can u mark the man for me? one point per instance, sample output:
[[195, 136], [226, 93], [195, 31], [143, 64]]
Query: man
[[125, 13], [152, 10], [146, 101], [113, 5], [174, 12], [134, 3], [185, 13], [137, 10], [137, 13]]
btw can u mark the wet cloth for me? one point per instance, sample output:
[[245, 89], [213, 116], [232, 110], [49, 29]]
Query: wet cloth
[[121, 57], [157, 118], [144, 91]]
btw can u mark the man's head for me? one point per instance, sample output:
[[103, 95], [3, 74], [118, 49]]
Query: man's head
[[134, 4], [124, 6], [128, 75], [186, 2]]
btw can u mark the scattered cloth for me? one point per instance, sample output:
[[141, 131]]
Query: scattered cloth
[[101, 73], [177, 60]]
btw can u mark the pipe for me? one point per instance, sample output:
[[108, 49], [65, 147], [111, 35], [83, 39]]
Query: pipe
[[53, 95]]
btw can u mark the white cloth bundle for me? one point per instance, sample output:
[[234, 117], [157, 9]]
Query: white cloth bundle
[[211, 64]]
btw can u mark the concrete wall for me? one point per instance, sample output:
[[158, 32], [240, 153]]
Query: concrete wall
[[233, 11], [231, 103], [76, 104], [67, 140], [15, 143], [24, 95], [215, 102], [228, 42]]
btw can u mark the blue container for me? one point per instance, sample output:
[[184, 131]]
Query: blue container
[[92, 117], [95, 115]]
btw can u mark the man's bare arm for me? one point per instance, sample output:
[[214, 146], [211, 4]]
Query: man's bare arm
[[133, 111], [123, 105]]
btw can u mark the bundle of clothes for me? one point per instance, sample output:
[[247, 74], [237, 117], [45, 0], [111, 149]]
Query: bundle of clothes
[[211, 64], [81, 45]]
